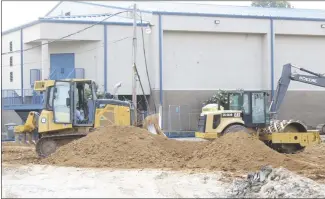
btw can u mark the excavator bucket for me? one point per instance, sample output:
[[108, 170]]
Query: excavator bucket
[[151, 123]]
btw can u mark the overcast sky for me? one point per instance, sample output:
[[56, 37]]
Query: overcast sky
[[16, 13]]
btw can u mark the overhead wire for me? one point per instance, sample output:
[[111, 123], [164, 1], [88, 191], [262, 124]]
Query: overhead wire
[[145, 62], [56, 40], [80, 52]]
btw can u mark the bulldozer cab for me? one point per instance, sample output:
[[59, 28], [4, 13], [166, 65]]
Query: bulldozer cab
[[73, 102], [253, 105]]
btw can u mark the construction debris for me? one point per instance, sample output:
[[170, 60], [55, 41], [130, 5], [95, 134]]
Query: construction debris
[[276, 183]]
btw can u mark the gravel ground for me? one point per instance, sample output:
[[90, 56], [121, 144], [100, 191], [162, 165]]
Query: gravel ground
[[49, 181], [40, 181]]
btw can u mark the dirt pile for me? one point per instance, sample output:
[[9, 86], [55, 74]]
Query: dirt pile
[[130, 147], [124, 147], [240, 152], [13, 153]]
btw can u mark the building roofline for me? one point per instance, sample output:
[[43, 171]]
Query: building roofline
[[109, 6], [236, 16], [212, 14], [90, 22], [57, 5], [20, 27], [46, 20]]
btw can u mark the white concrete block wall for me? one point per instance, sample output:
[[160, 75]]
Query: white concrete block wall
[[32, 60], [119, 58], [59, 30], [6, 68], [209, 61], [304, 51]]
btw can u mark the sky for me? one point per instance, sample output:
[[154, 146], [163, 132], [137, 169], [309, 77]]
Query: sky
[[16, 13]]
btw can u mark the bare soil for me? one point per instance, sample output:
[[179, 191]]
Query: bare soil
[[130, 147]]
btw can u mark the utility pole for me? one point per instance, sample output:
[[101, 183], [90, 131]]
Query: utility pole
[[134, 76]]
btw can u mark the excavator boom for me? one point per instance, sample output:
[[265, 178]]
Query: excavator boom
[[317, 80], [287, 76]]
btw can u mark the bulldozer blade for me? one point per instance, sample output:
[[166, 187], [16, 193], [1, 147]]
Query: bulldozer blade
[[151, 123]]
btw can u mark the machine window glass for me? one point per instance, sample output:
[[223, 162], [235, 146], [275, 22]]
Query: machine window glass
[[201, 124], [234, 102], [258, 108], [50, 98], [246, 104], [61, 101], [216, 121]]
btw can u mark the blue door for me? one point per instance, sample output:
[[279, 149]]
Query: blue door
[[62, 66]]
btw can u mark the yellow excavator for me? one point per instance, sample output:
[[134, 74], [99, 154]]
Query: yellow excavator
[[248, 111], [71, 110]]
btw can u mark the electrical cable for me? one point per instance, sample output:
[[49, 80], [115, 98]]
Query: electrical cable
[[80, 52], [145, 62], [112, 15]]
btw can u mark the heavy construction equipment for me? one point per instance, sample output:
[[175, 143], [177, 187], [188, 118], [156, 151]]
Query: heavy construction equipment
[[287, 76], [248, 112], [71, 111]]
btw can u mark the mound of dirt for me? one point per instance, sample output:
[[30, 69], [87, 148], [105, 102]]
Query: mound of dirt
[[13, 153], [240, 152], [124, 147]]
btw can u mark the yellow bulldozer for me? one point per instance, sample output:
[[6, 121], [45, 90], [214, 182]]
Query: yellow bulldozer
[[70, 111]]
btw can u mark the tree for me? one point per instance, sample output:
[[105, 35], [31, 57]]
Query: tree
[[271, 4]]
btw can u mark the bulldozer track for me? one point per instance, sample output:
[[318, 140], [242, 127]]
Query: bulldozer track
[[47, 145]]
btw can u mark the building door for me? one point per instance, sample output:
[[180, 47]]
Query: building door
[[62, 66]]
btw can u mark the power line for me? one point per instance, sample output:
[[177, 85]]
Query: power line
[[66, 35], [145, 62], [81, 52]]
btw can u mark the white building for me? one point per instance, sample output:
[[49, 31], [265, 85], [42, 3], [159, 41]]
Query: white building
[[191, 51]]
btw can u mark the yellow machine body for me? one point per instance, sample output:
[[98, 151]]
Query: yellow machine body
[[29, 126], [71, 110], [214, 127]]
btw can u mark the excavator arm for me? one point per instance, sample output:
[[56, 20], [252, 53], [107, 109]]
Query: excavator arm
[[315, 79], [287, 76]]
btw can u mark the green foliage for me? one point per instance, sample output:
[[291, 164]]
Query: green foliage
[[220, 97], [271, 4]]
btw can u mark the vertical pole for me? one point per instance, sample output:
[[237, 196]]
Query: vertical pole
[[134, 54], [22, 66]]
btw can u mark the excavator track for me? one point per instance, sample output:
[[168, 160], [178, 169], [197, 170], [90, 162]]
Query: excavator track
[[48, 144], [285, 126]]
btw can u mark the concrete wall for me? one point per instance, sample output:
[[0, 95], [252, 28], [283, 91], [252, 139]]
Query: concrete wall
[[6, 68], [119, 59], [207, 61], [32, 60]]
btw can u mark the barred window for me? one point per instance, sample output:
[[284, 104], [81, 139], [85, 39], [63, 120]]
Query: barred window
[[10, 46], [10, 61], [11, 76]]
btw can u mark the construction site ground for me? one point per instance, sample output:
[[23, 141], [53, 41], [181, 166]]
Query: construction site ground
[[131, 162]]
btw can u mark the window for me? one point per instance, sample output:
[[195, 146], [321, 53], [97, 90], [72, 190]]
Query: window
[[10, 46], [216, 121], [10, 61], [61, 108], [258, 108], [11, 77]]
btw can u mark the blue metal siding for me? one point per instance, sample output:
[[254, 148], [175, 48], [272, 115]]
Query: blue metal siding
[[62, 66]]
